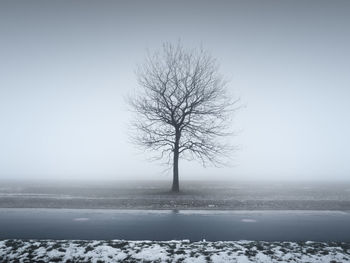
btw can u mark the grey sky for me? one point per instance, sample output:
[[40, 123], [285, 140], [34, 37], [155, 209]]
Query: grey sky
[[65, 67]]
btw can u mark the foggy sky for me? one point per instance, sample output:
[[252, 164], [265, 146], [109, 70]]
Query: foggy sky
[[66, 67]]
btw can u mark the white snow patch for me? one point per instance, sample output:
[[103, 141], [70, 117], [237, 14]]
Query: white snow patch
[[248, 220], [81, 219]]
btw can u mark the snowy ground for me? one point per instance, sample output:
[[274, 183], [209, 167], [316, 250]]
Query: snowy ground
[[171, 251]]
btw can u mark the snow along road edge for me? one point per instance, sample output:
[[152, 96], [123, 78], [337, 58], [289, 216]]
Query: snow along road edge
[[171, 251]]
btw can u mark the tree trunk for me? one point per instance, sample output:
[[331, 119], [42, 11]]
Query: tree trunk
[[176, 187]]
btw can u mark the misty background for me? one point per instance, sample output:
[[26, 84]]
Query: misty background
[[67, 66]]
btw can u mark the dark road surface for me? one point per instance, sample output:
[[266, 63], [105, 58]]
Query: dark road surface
[[169, 225]]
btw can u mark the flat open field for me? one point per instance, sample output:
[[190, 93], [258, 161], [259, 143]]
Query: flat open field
[[232, 195]]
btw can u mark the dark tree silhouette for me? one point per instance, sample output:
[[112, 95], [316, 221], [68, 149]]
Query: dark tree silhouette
[[183, 109]]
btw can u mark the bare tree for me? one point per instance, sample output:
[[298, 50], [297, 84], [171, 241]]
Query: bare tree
[[183, 109]]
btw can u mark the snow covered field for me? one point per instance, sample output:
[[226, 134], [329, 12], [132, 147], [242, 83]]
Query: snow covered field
[[171, 251]]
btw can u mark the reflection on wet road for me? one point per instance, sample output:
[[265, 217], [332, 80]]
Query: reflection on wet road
[[172, 224]]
